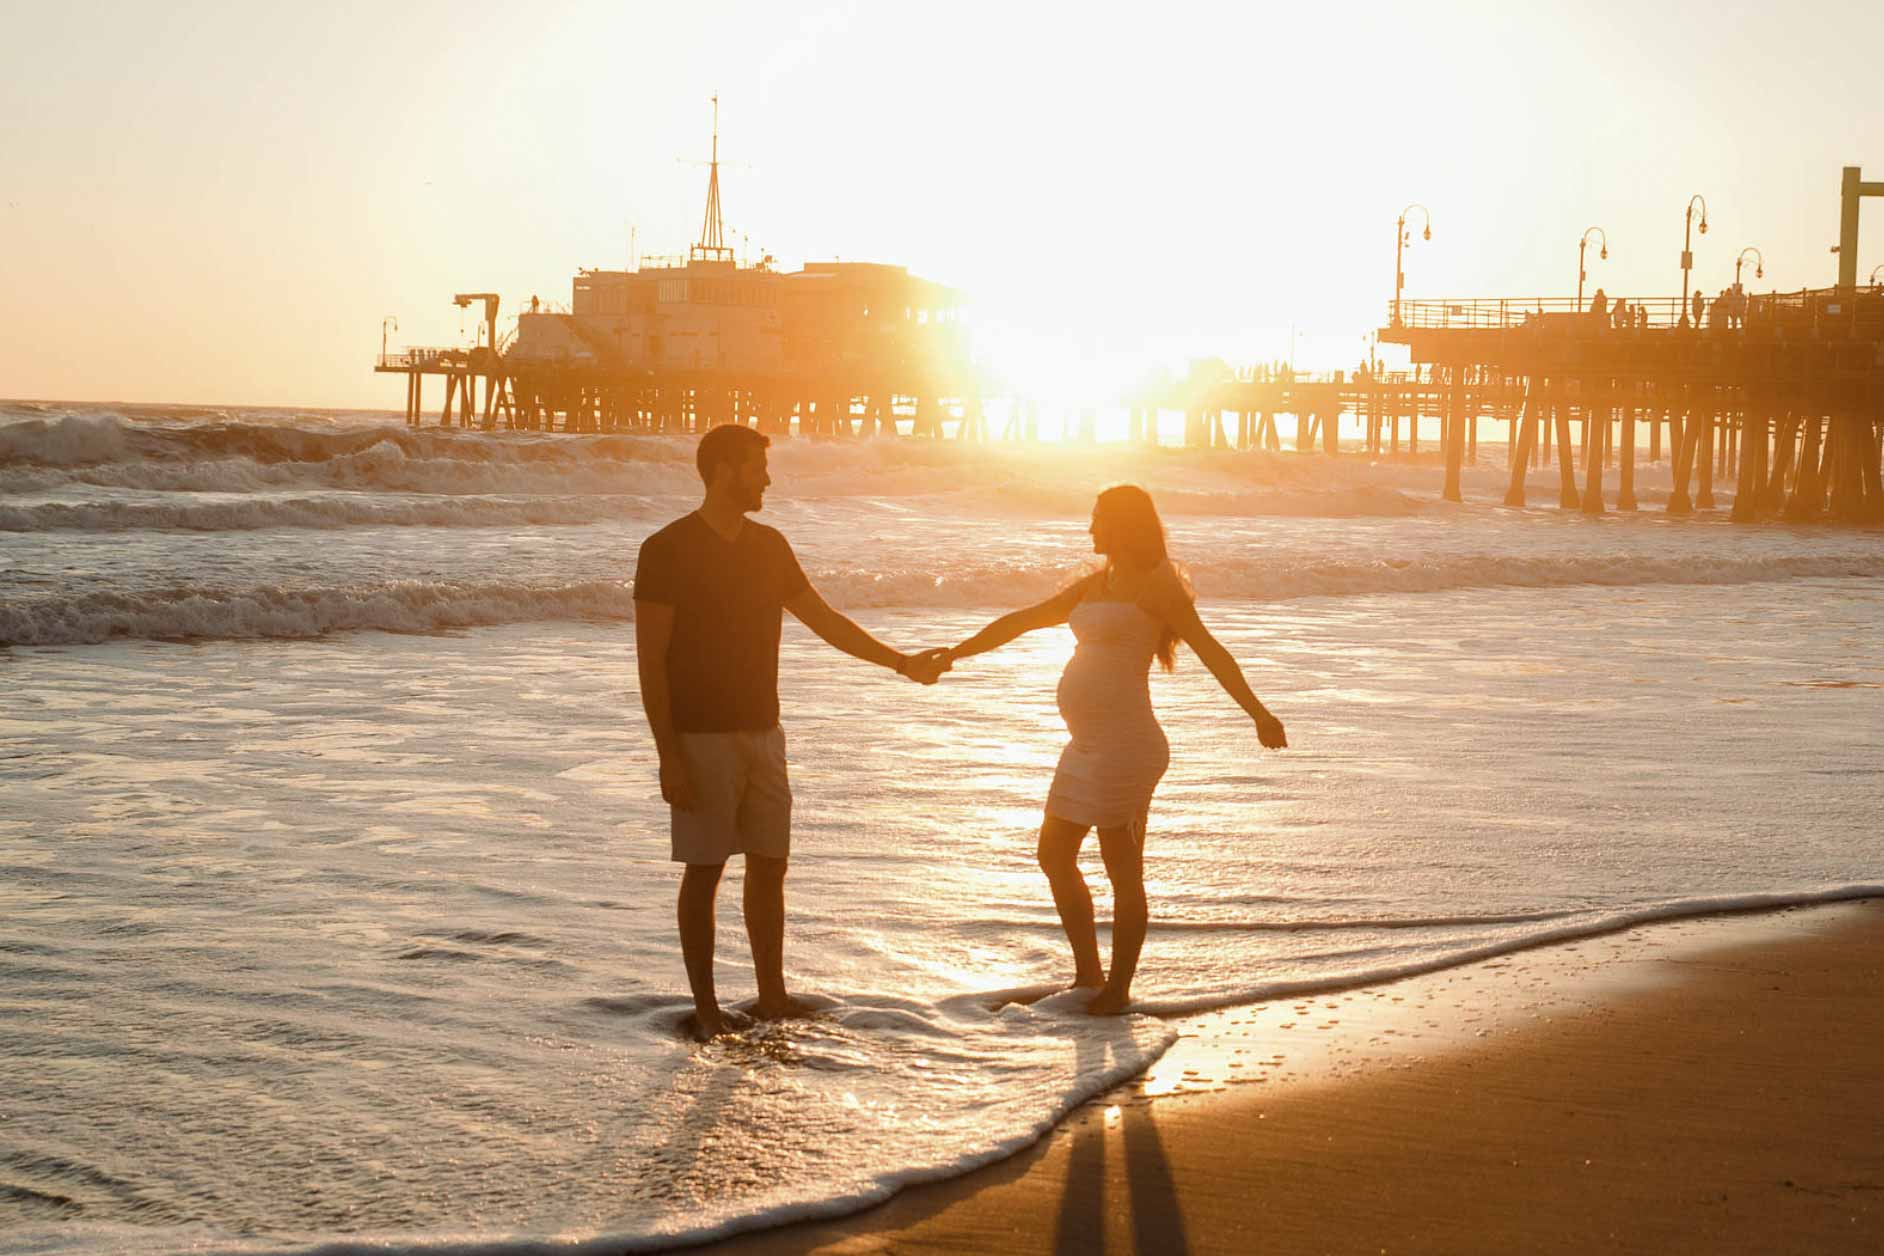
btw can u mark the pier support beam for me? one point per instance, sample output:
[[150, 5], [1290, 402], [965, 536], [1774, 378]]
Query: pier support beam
[[1566, 464], [1704, 459], [1773, 496], [1807, 492], [1685, 452], [1523, 441], [1625, 473], [1869, 469], [1750, 485], [1595, 433], [1454, 434]]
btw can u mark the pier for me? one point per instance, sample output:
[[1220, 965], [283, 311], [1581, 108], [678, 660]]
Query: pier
[[1781, 395], [1785, 401]]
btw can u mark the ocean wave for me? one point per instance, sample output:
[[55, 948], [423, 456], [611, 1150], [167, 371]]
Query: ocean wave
[[70, 440], [1282, 577], [182, 613], [333, 511], [411, 606], [109, 452]]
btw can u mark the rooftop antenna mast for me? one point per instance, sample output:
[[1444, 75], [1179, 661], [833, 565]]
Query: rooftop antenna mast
[[712, 246]]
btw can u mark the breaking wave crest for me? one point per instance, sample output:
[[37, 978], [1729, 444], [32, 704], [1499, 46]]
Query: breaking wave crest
[[51, 454], [268, 611], [181, 613], [333, 511]]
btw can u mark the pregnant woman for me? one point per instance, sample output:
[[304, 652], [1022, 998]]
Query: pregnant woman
[[1137, 608]]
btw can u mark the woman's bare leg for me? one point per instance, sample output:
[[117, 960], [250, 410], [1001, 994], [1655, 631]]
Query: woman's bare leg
[[1059, 859], [1124, 852]]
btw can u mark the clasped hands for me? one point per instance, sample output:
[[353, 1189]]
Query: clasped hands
[[927, 667]]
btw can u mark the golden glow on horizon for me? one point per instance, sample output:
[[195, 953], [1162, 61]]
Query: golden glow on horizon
[[215, 204]]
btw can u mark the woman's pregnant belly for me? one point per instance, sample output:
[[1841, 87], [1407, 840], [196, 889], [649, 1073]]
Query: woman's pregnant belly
[[1105, 700]]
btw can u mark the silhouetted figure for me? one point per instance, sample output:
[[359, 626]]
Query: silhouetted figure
[[710, 591], [1737, 306], [1134, 610], [1619, 317], [1599, 307], [1697, 304]]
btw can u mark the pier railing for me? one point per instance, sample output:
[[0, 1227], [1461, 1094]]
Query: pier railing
[[1494, 313], [414, 359], [1810, 311]]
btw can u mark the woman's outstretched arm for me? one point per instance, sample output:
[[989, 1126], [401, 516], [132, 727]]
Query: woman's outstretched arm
[[1013, 624], [1170, 601]]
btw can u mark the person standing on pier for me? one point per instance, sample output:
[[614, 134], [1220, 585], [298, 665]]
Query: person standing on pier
[[709, 593]]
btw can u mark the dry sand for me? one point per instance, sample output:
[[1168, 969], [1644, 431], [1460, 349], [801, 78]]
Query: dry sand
[[1706, 1086]]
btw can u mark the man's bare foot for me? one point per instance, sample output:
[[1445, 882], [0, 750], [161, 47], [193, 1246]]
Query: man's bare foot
[[1109, 1003], [705, 1028], [787, 1008]]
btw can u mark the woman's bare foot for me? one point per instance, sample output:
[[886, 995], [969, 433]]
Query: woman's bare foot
[[1109, 1003], [1087, 981]]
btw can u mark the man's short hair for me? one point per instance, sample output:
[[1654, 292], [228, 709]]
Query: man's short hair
[[728, 444]]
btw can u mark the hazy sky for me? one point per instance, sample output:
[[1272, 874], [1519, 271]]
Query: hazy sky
[[211, 201]]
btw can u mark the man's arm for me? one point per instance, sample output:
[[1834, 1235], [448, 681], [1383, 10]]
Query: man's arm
[[654, 630], [840, 631]]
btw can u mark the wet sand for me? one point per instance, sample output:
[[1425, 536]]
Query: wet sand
[[1704, 1086]]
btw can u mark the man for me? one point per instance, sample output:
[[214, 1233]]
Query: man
[[709, 589]]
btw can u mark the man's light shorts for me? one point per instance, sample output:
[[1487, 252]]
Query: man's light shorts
[[742, 799]]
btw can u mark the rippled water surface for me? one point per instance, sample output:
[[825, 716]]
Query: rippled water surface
[[336, 899]]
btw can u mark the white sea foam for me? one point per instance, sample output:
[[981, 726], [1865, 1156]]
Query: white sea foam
[[283, 612], [286, 611], [107, 452], [250, 512], [1581, 925]]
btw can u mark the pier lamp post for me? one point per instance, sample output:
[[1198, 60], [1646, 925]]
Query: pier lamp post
[[1602, 255], [382, 334], [1874, 273], [1759, 264], [1687, 248], [1400, 240]]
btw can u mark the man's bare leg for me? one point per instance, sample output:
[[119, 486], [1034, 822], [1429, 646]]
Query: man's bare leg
[[1059, 859], [1124, 852], [765, 927], [699, 884]]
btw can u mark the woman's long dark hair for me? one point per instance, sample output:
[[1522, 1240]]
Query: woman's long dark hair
[[1140, 545]]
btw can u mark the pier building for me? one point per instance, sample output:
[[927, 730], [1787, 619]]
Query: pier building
[[677, 343]]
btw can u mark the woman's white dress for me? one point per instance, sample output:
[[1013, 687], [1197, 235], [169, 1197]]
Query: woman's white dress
[[1118, 752]]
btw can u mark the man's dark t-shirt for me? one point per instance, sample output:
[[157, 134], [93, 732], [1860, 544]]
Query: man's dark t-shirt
[[728, 600]]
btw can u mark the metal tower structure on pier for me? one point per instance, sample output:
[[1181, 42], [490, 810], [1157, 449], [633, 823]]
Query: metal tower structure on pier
[[712, 246]]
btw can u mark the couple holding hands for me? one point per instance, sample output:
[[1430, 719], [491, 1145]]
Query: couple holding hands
[[710, 590]]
